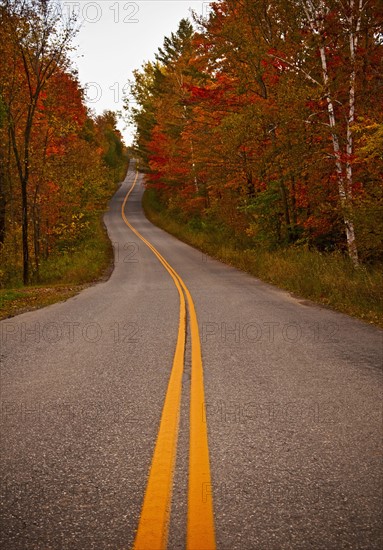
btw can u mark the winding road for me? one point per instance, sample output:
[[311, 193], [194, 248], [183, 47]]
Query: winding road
[[185, 404]]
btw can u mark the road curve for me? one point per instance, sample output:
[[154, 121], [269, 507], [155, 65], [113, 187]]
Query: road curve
[[293, 408]]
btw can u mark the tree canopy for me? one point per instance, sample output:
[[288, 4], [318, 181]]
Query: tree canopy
[[57, 162], [267, 116]]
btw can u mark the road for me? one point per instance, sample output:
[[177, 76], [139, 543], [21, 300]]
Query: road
[[291, 409]]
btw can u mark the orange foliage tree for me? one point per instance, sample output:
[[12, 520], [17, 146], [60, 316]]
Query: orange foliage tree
[[263, 117], [55, 167]]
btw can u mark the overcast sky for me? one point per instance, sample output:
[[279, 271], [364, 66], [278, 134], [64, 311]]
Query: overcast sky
[[118, 36]]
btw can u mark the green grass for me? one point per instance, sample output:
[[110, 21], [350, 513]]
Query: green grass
[[328, 279], [9, 296], [64, 274], [33, 297], [87, 263]]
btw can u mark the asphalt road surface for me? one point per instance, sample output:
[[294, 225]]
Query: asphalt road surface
[[292, 406]]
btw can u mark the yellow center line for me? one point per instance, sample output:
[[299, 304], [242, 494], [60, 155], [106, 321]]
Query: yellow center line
[[152, 533]]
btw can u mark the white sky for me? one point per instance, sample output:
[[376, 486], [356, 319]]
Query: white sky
[[118, 36]]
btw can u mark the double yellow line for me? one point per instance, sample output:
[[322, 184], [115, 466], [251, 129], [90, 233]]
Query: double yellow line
[[153, 527]]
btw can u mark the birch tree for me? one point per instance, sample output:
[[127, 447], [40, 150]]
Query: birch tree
[[349, 20]]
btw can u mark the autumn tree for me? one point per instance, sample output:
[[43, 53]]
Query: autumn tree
[[163, 115], [58, 161], [336, 31], [267, 115], [39, 39], [110, 138]]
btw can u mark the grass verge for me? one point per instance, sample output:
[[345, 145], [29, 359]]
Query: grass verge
[[327, 279], [64, 275]]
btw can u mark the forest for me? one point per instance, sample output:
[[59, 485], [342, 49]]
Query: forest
[[264, 121], [259, 127], [58, 161]]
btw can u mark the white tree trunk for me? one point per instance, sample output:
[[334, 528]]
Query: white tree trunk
[[354, 29], [315, 17]]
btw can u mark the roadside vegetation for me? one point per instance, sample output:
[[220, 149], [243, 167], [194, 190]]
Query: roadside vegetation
[[63, 274], [328, 279]]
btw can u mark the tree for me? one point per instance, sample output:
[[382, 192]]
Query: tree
[[40, 40], [251, 120], [58, 164]]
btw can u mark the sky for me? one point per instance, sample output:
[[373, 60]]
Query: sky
[[116, 37]]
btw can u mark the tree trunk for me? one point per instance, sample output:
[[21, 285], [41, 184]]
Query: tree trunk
[[36, 239], [353, 40], [315, 17], [345, 194], [293, 209], [24, 200], [3, 201], [286, 210]]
